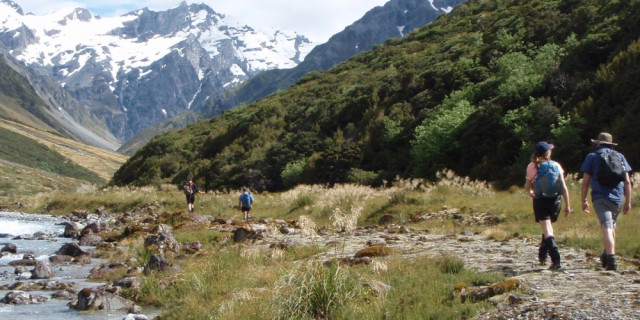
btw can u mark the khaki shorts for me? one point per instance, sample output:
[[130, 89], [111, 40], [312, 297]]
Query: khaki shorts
[[607, 212]]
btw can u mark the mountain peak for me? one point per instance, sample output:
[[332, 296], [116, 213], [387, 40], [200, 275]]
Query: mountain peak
[[12, 5]]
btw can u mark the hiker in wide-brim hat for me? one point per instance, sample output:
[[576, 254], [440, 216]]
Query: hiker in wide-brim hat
[[604, 138], [606, 172]]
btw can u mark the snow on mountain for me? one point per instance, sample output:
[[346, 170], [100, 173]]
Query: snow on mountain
[[69, 34], [187, 53]]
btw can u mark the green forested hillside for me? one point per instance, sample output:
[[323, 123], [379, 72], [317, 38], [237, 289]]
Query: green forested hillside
[[472, 92]]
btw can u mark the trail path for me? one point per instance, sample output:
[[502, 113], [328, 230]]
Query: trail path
[[581, 290]]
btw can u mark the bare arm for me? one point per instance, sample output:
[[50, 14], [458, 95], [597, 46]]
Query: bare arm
[[528, 186], [627, 194], [565, 195], [586, 180]]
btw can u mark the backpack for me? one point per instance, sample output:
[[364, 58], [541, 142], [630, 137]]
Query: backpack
[[548, 183], [245, 199], [188, 189], [610, 169]]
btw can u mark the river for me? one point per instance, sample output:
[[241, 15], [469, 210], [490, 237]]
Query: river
[[13, 224]]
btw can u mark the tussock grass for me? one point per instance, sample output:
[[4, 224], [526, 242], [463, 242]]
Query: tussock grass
[[240, 281]]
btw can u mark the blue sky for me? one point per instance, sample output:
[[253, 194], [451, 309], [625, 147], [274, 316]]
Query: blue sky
[[316, 19]]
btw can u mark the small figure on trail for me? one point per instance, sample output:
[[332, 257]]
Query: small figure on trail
[[547, 186], [607, 172], [190, 189], [246, 200]]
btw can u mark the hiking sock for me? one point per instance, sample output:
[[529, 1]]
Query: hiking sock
[[603, 258], [543, 252], [611, 262], [553, 252]]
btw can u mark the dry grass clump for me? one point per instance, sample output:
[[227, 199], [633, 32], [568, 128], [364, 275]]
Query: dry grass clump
[[448, 178], [312, 291], [344, 196], [346, 222], [301, 196]]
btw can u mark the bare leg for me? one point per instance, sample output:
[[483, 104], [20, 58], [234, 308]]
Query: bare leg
[[547, 228], [609, 240]]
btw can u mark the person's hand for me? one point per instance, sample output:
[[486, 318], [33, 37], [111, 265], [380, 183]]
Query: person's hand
[[567, 211], [627, 207], [532, 194], [585, 206]]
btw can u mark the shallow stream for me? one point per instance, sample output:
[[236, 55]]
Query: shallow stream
[[13, 224]]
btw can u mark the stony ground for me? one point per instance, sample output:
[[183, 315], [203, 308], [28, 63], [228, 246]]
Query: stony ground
[[580, 290]]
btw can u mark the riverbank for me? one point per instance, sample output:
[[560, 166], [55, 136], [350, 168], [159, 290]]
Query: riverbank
[[404, 251]]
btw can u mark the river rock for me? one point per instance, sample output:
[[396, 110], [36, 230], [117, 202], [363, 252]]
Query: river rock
[[41, 271], [162, 241], [133, 316], [71, 249], [10, 248], [71, 229], [23, 262], [21, 297], [90, 240], [103, 270], [96, 299], [192, 247], [156, 263]]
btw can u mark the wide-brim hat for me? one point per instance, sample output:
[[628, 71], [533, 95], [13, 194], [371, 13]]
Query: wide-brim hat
[[604, 138]]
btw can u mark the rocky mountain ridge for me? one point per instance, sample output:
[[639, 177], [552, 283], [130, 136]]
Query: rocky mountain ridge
[[137, 69], [393, 20]]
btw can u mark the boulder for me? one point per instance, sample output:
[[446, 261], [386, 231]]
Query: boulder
[[192, 247], [97, 299], [90, 240], [156, 263], [10, 248], [376, 250], [41, 271], [71, 249], [21, 297], [163, 241], [71, 230]]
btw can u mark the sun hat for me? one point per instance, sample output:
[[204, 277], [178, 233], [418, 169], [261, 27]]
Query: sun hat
[[542, 147], [604, 138]]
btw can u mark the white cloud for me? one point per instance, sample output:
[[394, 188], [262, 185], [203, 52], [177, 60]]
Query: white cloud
[[316, 19]]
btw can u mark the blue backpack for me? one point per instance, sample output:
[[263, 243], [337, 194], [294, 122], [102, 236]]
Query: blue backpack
[[246, 199], [547, 183]]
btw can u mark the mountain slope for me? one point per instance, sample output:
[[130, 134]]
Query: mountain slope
[[143, 67], [395, 19], [32, 136], [472, 91]]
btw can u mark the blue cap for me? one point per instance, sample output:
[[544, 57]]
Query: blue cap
[[542, 147]]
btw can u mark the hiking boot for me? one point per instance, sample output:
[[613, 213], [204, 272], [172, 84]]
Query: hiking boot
[[611, 262], [543, 252], [550, 243], [603, 258]]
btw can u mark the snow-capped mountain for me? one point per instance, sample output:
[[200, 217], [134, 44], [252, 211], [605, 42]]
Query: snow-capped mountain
[[142, 67]]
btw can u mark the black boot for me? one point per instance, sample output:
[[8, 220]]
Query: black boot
[[553, 252], [543, 252], [603, 258], [611, 262]]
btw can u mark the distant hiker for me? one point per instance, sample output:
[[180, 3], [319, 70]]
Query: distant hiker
[[246, 200], [546, 185], [190, 189], [607, 171]]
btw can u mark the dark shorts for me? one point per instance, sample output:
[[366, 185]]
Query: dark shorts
[[245, 208], [547, 208], [191, 198]]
